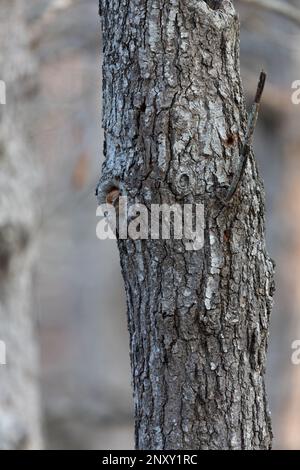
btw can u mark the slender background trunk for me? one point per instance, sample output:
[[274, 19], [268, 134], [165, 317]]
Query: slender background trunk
[[19, 397], [174, 123]]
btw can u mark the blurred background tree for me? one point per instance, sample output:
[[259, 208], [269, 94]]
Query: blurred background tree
[[20, 426]]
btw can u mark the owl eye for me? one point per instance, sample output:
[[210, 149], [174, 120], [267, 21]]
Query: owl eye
[[113, 196]]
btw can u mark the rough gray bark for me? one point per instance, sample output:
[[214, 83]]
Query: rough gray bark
[[19, 398], [174, 122]]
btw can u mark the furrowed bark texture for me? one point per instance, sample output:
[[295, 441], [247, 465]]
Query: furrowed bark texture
[[19, 394], [174, 122]]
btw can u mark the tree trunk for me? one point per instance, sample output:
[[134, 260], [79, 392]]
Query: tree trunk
[[174, 122], [19, 398]]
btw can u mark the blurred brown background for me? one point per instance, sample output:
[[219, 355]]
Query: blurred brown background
[[78, 300]]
